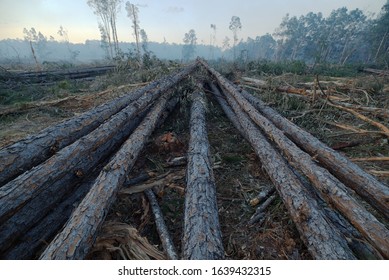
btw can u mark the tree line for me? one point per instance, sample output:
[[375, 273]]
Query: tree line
[[343, 37]]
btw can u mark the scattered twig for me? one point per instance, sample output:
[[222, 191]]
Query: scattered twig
[[178, 161], [371, 159], [269, 190], [163, 232], [350, 144], [382, 127], [379, 173], [162, 180], [260, 212], [346, 127]]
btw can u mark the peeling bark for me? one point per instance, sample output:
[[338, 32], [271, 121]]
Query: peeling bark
[[202, 235]]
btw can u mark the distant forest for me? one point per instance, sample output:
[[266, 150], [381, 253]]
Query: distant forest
[[343, 37]]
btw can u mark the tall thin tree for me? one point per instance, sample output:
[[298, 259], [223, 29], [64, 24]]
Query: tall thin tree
[[235, 26], [213, 41], [107, 10], [132, 13]]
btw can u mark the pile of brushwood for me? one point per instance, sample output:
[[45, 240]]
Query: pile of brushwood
[[58, 186]]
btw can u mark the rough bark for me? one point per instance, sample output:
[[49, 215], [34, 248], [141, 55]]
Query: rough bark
[[33, 150], [73, 157], [361, 247], [79, 233], [163, 232], [331, 188], [202, 236], [69, 173], [36, 238], [31, 214], [368, 187], [356, 242], [321, 239]]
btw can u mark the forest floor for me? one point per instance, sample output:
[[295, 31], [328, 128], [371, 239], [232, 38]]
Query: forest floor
[[237, 170]]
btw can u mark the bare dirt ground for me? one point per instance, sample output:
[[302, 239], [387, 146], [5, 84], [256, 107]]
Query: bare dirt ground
[[238, 173]]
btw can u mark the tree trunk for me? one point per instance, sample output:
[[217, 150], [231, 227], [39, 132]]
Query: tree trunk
[[356, 242], [331, 188], [361, 247], [368, 187], [74, 159], [321, 239], [36, 238], [33, 211], [202, 236], [66, 174], [79, 233], [33, 150]]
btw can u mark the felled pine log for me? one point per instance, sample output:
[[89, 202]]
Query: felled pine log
[[354, 177], [33, 150], [65, 162], [202, 236], [29, 230], [323, 241], [79, 233], [330, 187], [359, 245], [72, 161], [58, 177], [30, 242]]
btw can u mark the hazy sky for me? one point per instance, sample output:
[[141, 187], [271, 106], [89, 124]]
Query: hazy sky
[[169, 19]]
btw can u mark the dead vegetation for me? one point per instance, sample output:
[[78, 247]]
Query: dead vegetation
[[248, 231]]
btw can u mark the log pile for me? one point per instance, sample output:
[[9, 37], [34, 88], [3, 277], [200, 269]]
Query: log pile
[[60, 162], [333, 188], [56, 187]]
